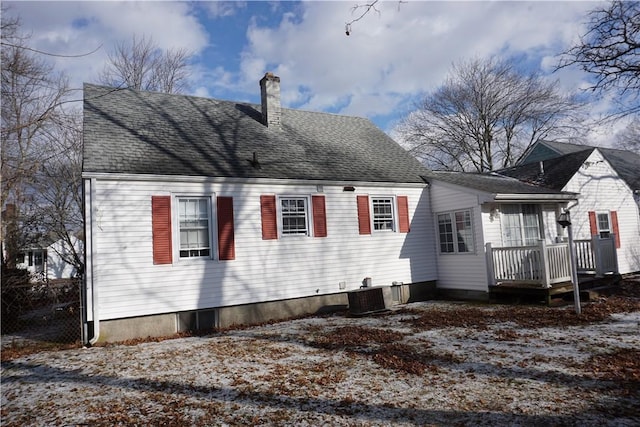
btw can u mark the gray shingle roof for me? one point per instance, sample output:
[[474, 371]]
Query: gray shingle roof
[[557, 171], [135, 132], [490, 183], [626, 163]]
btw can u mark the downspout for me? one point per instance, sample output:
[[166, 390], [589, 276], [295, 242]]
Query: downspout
[[90, 268]]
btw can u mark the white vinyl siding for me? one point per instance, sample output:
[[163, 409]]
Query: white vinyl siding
[[602, 190], [129, 284], [465, 270]]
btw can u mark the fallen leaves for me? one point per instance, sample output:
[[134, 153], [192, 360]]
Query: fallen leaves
[[428, 363]]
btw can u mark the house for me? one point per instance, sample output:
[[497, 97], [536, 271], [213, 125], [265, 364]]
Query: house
[[205, 213], [44, 259], [626, 163], [608, 183], [48, 260], [494, 229]]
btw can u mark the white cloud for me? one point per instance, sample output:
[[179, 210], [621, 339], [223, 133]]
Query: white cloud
[[390, 57], [400, 51], [73, 28], [223, 9]]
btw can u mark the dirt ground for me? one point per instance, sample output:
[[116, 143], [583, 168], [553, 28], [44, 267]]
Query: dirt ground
[[431, 363]]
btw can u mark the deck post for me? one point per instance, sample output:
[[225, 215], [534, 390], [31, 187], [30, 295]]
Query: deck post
[[546, 272], [490, 270]]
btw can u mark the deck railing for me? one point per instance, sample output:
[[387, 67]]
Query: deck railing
[[597, 255], [543, 264], [584, 256]]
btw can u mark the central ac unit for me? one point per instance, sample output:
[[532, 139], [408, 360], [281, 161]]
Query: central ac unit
[[366, 300]]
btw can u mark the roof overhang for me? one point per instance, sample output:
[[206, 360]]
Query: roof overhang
[[534, 198], [258, 181]]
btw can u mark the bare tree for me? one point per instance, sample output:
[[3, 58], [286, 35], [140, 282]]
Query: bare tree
[[363, 10], [32, 94], [610, 52], [485, 116], [142, 65], [629, 138], [56, 203]]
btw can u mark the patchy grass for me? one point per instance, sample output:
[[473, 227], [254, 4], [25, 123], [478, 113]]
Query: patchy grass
[[432, 363]]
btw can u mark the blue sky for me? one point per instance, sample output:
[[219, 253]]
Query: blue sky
[[390, 59]]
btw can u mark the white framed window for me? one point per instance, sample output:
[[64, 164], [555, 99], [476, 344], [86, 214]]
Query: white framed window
[[194, 224], [383, 213], [455, 232], [294, 215], [604, 224], [520, 224], [445, 233]]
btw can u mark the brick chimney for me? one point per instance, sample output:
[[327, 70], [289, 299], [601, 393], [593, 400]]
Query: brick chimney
[[270, 97]]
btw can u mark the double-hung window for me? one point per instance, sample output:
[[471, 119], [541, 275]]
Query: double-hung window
[[520, 225], [382, 213], [604, 227], [455, 232], [294, 213], [195, 227]]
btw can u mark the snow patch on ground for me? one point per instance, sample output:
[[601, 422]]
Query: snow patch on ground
[[300, 373]]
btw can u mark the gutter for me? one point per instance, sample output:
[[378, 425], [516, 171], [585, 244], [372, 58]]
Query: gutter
[[260, 181], [534, 197]]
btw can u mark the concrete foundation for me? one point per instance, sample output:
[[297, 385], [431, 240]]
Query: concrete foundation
[[167, 324], [463, 295], [158, 325]]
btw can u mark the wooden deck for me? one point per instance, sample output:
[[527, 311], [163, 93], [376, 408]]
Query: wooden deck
[[590, 287]]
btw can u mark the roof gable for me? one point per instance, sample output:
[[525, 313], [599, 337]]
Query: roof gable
[[136, 132], [626, 163], [554, 173], [545, 150]]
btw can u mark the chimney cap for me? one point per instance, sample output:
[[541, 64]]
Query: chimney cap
[[270, 76]]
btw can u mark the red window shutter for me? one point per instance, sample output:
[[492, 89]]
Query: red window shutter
[[593, 223], [614, 226], [269, 217], [226, 240], [319, 216], [161, 229], [403, 214], [364, 223]]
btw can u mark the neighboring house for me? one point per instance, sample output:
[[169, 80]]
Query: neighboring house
[[608, 183], [205, 213], [493, 229], [47, 260]]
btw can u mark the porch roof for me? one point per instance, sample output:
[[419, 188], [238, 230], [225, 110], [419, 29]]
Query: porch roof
[[501, 188]]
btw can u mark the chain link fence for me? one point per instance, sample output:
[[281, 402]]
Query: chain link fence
[[39, 313]]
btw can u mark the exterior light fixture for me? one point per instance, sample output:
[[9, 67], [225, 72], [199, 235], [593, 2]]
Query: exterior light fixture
[[564, 219]]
